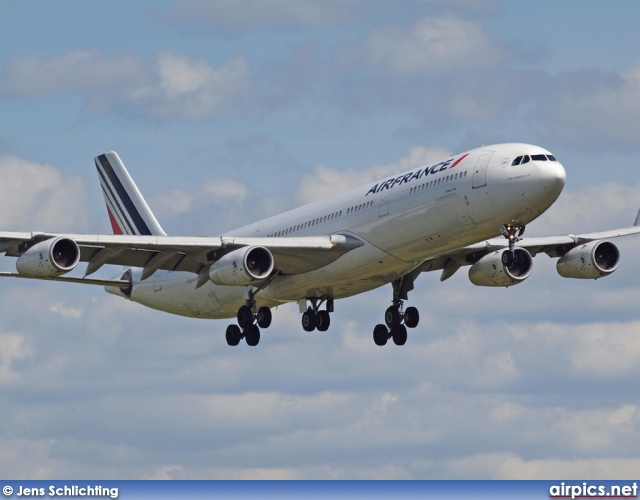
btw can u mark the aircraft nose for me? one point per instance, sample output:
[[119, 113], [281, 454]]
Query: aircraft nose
[[552, 174]]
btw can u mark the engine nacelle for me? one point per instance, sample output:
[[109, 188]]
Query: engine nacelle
[[490, 271], [49, 258], [589, 261], [243, 266]]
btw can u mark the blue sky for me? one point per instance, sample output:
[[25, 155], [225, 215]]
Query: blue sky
[[225, 112]]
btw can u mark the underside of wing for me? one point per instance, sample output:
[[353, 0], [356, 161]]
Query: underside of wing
[[51, 255], [588, 256], [119, 283]]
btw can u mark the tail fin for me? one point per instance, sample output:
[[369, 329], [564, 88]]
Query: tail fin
[[128, 212]]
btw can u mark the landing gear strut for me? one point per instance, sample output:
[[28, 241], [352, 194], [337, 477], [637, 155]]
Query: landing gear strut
[[249, 322], [315, 318], [512, 232], [397, 320]]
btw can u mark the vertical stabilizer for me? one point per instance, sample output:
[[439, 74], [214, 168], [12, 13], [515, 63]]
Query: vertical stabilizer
[[128, 212]]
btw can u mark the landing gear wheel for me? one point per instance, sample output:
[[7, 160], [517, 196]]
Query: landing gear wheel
[[323, 321], [264, 317], [252, 335], [309, 320], [245, 317], [411, 317], [400, 335], [380, 335], [392, 316], [509, 258], [233, 335]]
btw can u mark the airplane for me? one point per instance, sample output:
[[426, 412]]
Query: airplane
[[469, 209]]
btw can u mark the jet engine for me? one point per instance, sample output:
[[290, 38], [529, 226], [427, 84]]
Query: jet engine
[[592, 260], [490, 271], [243, 266], [49, 258]]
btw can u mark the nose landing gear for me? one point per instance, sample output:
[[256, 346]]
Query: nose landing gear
[[509, 257]]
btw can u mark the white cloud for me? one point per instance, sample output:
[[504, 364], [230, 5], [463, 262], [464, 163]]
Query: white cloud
[[226, 15], [66, 311], [432, 45], [189, 88], [14, 348], [224, 190], [223, 198], [76, 71], [593, 208], [510, 466], [589, 110], [38, 197], [607, 349], [172, 86]]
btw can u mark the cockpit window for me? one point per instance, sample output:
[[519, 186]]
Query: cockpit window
[[517, 161], [539, 157], [525, 159], [551, 158]]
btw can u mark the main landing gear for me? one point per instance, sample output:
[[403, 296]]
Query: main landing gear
[[314, 318], [397, 321], [249, 323], [512, 232]]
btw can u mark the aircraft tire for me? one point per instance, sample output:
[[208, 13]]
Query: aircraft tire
[[252, 335], [411, 317], [392, 316], [245, 317], [233, 335], [323, 321], [507, 258], [309, 320], [264, 317], [380, 335], [400, 335]]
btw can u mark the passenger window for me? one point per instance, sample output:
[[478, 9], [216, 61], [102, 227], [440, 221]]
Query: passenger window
[[525, 160], [517, 161]]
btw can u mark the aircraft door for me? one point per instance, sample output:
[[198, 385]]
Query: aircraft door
[[480, 170]]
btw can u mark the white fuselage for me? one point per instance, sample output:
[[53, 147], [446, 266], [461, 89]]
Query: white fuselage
[[403, 220]]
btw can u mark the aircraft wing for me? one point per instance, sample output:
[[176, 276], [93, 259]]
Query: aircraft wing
[[291, 255], [553, 246]]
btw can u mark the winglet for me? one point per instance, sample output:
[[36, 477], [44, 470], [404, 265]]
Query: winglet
[[637, 222], [128, 211]]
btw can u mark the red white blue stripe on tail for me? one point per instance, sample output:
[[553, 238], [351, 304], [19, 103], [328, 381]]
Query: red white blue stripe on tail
[[128, 211]]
